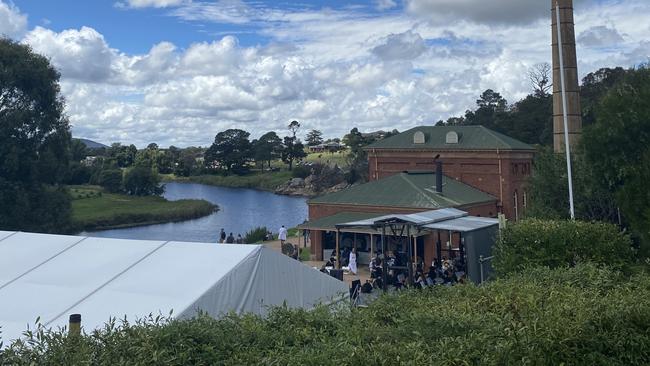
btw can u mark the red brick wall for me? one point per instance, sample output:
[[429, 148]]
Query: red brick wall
[[483, 170]]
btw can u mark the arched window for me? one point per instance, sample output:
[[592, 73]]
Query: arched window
[[418, 137], [451, 138]]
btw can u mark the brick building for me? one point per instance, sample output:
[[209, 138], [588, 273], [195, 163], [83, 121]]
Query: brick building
[[484, 173], [477, 156]]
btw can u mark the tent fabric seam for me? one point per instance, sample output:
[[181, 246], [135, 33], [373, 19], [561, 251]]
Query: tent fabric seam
[[107, 282], [42, 263], [10, 235]]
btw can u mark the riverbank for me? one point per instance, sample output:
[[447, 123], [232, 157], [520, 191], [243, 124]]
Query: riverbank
[[265, 181], [94, 209]]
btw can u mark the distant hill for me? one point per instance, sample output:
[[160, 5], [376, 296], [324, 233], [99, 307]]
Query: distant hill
[[92, 144]]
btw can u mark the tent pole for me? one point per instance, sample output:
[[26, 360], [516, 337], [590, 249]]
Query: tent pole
[[384, 267], [415, 251]]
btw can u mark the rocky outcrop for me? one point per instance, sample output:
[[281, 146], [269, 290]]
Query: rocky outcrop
[[323, 179]]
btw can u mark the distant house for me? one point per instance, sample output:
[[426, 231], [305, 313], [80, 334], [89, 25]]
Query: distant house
[[330, 147]]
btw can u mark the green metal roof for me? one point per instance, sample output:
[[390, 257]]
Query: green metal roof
[[408, 190], [330, 222], [470, 138]]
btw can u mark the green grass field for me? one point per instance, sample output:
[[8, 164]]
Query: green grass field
[[267, 181], [93, 209]]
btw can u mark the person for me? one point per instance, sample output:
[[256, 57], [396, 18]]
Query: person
[[352, 264], [282, 234], [230, 239], [239, 240], [367, 287], [222, 236]]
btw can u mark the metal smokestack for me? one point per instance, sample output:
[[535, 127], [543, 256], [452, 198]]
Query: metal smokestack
[[439, 176], [574, 114]]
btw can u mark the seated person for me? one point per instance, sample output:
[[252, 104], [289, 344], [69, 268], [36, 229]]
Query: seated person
[[367, 287]]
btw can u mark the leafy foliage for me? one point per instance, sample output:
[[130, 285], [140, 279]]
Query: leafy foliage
[[618, 147], [560, 243], [314, 137], [549, 189], [293, 150], [256, 235], [585, 315], [267, 148], [34, 142], [142, 181], [231, 150], [111, 180]]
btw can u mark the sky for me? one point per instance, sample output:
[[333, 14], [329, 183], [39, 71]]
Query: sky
[[177, 72]]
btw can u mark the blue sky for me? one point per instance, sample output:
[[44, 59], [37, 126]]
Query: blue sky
[[179, 71]]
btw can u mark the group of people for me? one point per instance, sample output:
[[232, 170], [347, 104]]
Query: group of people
[[230, 239], [446, 272], [348, 259]]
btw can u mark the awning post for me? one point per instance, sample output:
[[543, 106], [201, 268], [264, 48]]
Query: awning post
[[338, 255]]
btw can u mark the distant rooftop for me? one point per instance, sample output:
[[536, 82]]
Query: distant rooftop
[[450, 138], [408, 190]]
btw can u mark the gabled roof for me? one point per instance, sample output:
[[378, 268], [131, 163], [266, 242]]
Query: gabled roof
[[408, 190], [470, 138]]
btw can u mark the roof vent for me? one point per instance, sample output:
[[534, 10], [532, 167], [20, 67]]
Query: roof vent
[[452, 137], [418, 137]]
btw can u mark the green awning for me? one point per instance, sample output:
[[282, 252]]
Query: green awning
[[328, 223]]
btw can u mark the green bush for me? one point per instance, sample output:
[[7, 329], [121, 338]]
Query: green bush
[[111, 180], [301, 171], [256, 235], [560, 243], [586, 315], [142, 181]]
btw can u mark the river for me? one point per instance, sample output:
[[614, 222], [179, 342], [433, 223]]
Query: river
[[240, 210]]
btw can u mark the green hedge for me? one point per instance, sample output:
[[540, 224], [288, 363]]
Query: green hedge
[[558, 243], [585, 315]]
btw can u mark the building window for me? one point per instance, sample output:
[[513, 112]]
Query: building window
[[516, 201]]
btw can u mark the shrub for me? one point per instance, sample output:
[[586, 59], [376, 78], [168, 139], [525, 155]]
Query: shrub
[[256, 235], [142, 181], [301, 171], [560, 243], [111, 180], [586, 315]]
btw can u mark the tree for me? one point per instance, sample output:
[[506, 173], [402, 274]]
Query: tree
[[149, 157], [267, 148], [79, 151], [34, 142], [314, 137], [231, 150], [618, 149], [111, 180], [124, 156], [294, 126], [142, 181], [549, 189], [293, 150], [540, 79]]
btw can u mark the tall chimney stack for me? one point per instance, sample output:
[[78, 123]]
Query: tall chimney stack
[[574, 113], [439, 176]]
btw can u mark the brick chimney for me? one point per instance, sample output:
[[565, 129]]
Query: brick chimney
[[574, 114]]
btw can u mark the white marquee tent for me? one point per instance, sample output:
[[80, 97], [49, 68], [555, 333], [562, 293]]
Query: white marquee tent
[[53, 276]]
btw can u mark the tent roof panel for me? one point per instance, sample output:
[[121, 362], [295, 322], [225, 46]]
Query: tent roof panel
[[463, 224]]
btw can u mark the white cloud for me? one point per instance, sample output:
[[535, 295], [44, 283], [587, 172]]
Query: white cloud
[[331, 69], [403, 46], [385, 4], [79, 54], [12, 23], [151, 3], [600, 36]]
